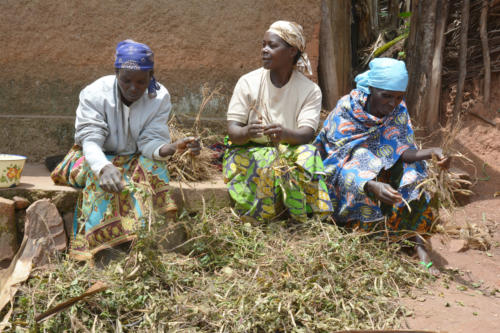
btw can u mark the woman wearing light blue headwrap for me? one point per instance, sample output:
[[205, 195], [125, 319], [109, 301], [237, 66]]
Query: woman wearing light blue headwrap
[[121, 141], [371, 160]]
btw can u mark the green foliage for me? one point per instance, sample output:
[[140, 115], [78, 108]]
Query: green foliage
[[232, 277], [405, 15]]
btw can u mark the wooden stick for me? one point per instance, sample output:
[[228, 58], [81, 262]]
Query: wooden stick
[[462, 58], [486, 54], [94, 289]]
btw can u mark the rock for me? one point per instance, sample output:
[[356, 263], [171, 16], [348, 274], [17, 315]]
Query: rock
[[171, 236], [458, 245], [45, 225], [68, 218], [20, 203], [8, 230]]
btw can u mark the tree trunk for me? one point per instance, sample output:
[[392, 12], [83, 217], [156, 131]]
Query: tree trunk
[[486, 54], [425, 60], [335, 51], [393, 14], [366, 21], [462, 58], [373, 6]]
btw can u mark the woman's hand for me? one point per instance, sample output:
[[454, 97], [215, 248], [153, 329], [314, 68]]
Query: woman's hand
[[254, 129], [383, 192], [275, 132], [240, 133], [442, 161], [111, 179], [191, 143], [412, 155]]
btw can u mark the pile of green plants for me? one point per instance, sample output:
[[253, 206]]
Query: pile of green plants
[[231, 276]]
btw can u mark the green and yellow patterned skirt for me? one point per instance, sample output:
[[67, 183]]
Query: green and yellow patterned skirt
[[265, 184]]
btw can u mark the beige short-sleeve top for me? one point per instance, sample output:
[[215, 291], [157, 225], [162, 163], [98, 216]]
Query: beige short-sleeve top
[[296, 104]]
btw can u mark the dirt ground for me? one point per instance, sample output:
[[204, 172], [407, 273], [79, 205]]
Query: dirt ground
[[43, 72], [466, 298]]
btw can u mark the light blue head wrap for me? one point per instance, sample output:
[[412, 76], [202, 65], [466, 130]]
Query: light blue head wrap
[[136, 56], [384, 73]]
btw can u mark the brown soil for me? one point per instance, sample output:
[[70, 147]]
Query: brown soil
[[466, 298], [51, 49]]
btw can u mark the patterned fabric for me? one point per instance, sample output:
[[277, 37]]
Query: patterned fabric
[[265, 186], [103, 219], [384, 73], [293, 34], [399, 222], [137, 57], [356, 146]]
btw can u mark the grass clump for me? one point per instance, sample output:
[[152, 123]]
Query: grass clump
[[231, 277]]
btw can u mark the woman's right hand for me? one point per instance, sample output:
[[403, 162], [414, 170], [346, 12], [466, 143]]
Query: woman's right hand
[[383, 192], [254, 129], [111, 179], [241, 133]]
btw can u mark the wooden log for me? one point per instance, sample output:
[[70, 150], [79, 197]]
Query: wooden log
[[462, 58], [432, 116], [394, 14], [335, 51], [486, 54], [425, 61]]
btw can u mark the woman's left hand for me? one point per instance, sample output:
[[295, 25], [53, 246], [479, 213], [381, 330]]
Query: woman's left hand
[[275, 132], [191, 143]]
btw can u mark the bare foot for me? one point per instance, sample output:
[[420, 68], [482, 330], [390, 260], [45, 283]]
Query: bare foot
[[424, 258]]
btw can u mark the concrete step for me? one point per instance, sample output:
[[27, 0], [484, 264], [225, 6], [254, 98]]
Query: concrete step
[[36, 184]]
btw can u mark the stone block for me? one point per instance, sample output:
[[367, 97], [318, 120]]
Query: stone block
[[171, 236], [44, 224], [8, 230], [20, 202]]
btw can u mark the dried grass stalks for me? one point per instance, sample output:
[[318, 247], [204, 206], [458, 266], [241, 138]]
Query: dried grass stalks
[[185, 167], [478, 237], [233, 278], [443, 184], [446, 185]]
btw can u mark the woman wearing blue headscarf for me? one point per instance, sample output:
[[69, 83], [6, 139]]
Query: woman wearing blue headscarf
[[121, 140], [371, 160]]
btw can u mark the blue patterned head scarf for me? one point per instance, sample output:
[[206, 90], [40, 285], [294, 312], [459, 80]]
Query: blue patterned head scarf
[[384, 73], [137, 57]]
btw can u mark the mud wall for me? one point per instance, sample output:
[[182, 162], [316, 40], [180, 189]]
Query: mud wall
[[51, 49]]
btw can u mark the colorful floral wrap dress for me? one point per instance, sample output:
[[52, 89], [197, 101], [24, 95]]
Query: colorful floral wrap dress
[[103, 219], [264, 184], [357, 147]]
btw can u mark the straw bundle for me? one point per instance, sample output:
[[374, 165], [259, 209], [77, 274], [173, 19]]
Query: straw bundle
[[443, 184], [185, 167]]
